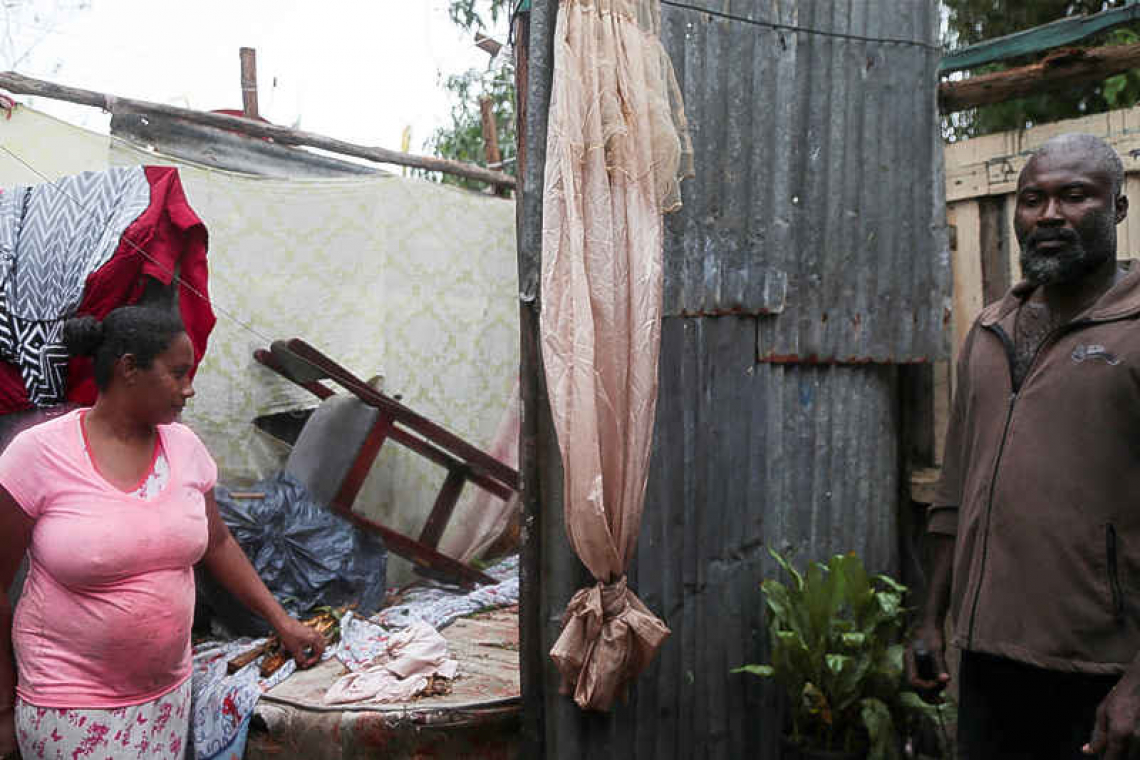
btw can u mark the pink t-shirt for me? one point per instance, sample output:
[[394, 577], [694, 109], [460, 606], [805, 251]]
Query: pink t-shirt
[[104, 618]]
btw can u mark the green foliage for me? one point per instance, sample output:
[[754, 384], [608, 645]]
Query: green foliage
[[970, 21], [468, 15], [834, 634], [462, 139]]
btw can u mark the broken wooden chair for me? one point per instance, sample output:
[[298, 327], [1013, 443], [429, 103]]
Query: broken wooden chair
[[360, 423]]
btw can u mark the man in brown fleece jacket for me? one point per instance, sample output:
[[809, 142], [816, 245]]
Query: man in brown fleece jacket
[[1034, 530]]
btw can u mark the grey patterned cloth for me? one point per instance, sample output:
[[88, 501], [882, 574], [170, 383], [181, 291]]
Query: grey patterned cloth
[[52, 236]]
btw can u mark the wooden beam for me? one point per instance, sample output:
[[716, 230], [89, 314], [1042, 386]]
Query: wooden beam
[[22, 85], [248, 82], [488, 45], [491, 138], [1065, 31], [1063, 68]]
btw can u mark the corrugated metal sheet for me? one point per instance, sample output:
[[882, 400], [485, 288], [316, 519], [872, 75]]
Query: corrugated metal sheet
[[228, 150], [814, 199], [747, 456], [809, 257]]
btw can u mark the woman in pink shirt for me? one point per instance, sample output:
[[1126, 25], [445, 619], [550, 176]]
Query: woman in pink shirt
[[114, 506]]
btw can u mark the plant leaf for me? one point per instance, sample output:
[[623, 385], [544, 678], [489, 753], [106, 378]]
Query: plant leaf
[[763, 671], [891, 583], [880, 728], [787, 567]]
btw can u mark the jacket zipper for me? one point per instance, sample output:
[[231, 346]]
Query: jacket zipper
[[1007, 344], [1113, 572]]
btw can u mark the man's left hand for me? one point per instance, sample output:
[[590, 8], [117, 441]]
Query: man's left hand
[[304, 643], [1113, 736]]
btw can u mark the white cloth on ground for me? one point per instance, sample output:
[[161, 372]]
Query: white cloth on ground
[[413, 655]]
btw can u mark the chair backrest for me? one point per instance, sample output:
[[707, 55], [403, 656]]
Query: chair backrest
[[328, 444]]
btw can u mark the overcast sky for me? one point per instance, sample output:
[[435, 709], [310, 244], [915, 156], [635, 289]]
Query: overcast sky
[[358, 70]]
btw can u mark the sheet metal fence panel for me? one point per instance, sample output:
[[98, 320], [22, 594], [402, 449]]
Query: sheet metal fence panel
[[815, 200], [797, 457], [809, 257]]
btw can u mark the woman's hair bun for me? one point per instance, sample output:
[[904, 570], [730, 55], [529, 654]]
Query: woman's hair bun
[[82, 336]]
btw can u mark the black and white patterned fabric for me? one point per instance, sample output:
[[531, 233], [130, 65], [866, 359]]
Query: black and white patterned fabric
[[52, 236]]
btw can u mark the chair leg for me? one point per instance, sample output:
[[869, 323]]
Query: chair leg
[[444, 505], [362, 465]]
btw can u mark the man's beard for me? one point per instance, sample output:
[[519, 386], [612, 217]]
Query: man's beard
[[1081, 254]]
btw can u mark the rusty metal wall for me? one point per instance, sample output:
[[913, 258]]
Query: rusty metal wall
[[814, 199], [801, 458], [810, 258]]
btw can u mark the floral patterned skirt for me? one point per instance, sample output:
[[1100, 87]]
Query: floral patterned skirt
[[156, 729]]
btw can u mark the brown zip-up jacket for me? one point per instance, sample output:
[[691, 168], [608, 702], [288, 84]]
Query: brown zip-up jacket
[[1041, 486]]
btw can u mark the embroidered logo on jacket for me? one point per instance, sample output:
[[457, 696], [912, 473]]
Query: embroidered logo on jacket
[[1094, 352]]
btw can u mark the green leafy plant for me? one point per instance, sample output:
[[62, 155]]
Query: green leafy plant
[[834, 636]]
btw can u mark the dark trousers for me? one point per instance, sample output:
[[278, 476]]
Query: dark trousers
[[1010, 710]]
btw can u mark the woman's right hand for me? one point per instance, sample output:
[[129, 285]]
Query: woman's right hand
[[8, 748]]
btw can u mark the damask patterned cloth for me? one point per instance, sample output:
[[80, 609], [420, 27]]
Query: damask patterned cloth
[[154, 730], [393, 275]]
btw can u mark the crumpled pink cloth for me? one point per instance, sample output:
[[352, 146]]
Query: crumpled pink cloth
[[608, 637], [414, 654]]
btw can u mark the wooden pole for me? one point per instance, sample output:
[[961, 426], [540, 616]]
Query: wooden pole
[[534, 67], [22, 85], [248, 82], [491, 139], [1062, 68]]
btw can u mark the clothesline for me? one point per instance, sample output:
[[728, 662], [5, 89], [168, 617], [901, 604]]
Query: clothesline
[[801, 29]]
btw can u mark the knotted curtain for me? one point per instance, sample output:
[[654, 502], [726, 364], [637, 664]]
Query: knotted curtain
[[617, 147]]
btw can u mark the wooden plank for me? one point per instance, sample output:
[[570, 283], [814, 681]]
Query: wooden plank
[[992, 242], [990, 165], [248, 82], [966, 264], [491, 138], [923, 484], [1014, 248], [22, 85], [1062, 32], [1064, 68], [1128, 233]]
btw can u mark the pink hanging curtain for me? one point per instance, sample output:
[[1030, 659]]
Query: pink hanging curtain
[[617, 148]]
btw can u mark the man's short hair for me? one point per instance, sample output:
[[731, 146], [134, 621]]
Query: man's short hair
[[1103, 156]]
